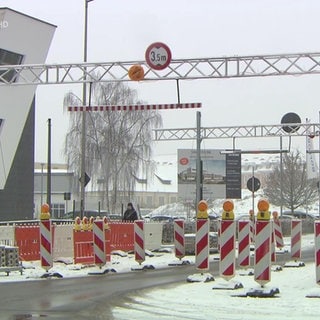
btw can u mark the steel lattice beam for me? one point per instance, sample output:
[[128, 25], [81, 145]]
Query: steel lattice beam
[[206, 68], [258, 131]]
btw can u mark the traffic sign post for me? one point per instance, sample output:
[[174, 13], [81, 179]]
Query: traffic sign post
[[158, 56]]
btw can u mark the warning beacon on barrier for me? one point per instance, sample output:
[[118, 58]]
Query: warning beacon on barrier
[[45, 212], [263, 207], [202, 210], [228, 213], [77, 224]]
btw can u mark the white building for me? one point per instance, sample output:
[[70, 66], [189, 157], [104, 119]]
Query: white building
[[23, 40]]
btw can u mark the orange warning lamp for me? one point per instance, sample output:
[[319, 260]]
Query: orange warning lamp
[[85, 223], [202, 210], [45, 212], [136, 72], [77, 224], [228, 213], [263, 207], [91, 223], [105, 223], [275, 215]]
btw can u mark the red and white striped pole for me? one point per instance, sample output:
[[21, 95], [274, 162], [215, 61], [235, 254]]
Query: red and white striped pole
[[296, 233], [273, 243], [252, 225], [277, 230], [202, 237], [262, 257], [317, 249], [137, 107], [179, 238], [99, 247], [139, 252], [244, 243], [45, 238], [227, 241]]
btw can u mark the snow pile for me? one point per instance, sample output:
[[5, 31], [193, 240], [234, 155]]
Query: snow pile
[[241, 206], [200, 301]]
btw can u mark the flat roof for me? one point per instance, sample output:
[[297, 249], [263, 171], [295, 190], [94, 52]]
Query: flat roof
[[23, 14]]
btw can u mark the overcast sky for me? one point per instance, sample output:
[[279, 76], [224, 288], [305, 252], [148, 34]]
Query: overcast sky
[[122, 30]]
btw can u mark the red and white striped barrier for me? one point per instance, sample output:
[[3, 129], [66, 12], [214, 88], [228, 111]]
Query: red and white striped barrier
[[296, 233], [317, 249], [252, 225], [99, 247], [227, 249], [244, 243], [138, 107], [179, 239], [262, 257], [278, 233], [46, 244], [202, 244], [273, 243], [139, 252]]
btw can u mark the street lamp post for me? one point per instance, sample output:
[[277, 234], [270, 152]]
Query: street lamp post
[[84, 101]]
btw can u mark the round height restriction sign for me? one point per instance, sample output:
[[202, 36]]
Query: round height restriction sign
[[158, 56]]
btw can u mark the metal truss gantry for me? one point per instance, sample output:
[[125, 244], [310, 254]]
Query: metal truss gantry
[[254, 131], [179, 69]]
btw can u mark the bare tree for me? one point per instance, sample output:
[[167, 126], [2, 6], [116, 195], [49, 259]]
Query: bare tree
[[118, 143], [297, 189]]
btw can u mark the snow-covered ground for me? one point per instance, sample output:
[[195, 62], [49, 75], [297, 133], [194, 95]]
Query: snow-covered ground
[[199, 300]]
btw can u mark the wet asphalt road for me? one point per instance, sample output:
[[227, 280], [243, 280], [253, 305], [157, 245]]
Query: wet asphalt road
[[90, 297]]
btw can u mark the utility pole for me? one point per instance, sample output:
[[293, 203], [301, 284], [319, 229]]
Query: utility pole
[[84, 102]]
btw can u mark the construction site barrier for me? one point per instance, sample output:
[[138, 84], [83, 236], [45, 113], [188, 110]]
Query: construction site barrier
[[7, 237], [122, 236], [63, 241], [83, 247], [27, 238]]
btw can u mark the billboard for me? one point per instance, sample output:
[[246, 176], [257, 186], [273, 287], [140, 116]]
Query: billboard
[[221, 175]]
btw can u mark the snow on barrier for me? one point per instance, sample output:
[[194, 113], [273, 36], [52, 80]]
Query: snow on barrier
[[296, 233], [139, 252], [317, 249], [179, 238], [244, 243], [99, 247]]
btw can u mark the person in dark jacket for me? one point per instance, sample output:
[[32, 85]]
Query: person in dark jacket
[[130, 214]]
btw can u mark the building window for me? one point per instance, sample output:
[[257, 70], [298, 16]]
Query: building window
[[57, 210], [173, 199], [161, 201], [149, 202], [9, 58]]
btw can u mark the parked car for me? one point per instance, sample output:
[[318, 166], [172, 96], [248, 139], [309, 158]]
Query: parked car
[[162, 218], [87, 213], [300, 215]]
